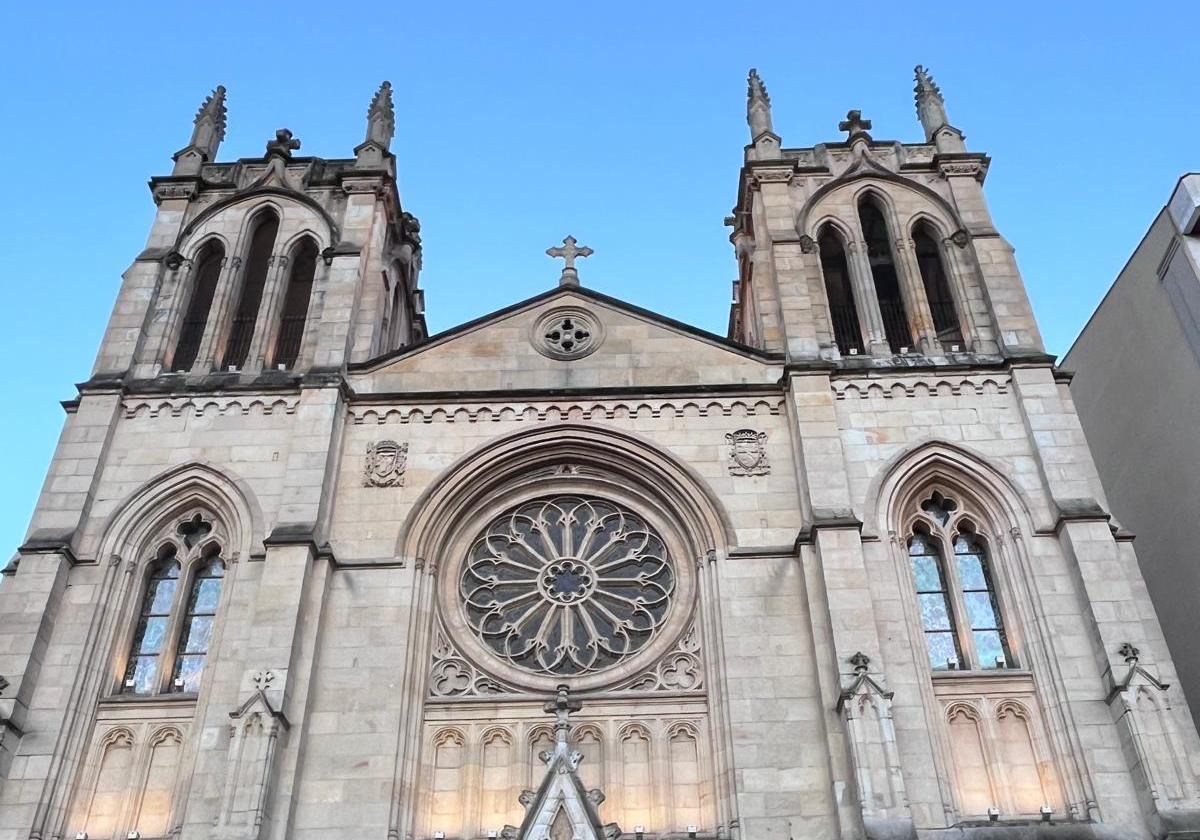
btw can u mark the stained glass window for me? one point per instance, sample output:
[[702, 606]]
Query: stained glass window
[[960, 613], [937, 619], [153, 623], [197, 628], [979, 599]]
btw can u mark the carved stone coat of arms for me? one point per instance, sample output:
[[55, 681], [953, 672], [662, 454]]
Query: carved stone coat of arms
[[748, 452], [385, 464]]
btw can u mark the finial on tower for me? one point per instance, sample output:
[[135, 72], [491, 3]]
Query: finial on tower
[[855, 125], [931, 111], [758, 106], [283, 145], [381, 117], [208, 131]]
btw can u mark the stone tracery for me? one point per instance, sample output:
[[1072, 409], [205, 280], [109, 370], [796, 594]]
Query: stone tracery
[[567, 585]]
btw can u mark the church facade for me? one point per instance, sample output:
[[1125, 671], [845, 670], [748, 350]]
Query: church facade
[[575, 569]]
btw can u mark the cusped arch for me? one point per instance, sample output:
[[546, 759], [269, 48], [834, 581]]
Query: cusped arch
[[327, 230], [813, 208], [929, 463], [836, 226], [173, 493], [195, 248], [296, 241], [676, 486]]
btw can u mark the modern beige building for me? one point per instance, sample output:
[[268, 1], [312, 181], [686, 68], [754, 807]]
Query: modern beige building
[[575, 569], [1141, 413]]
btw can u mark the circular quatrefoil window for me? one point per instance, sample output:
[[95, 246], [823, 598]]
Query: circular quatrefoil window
[[566, 334], [567, 586]]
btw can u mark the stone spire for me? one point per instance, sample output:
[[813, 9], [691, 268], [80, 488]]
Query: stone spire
[[381, 117], [758, 106], [931, 111], [372, 152], [207, 134]]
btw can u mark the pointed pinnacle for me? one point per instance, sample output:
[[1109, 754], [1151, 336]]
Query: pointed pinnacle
[[382, 102], [213, 107], [755, 89], [926, 86]]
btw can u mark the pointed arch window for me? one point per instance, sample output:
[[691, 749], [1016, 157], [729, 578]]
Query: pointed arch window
[[295, 303], [254, 280], [200, 613], [960, 614], [177, 612], [150, 636], [847, 332], [937, 286], [883, 273], [204, 286]]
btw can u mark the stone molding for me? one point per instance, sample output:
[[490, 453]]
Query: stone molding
[[566, 411], [890, 388]]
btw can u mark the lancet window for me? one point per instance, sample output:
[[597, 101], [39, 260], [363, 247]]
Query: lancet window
[[937, 287], [960, 612], [295, 303], [254, 280], [205, 275], [843, 313], [177, 612]]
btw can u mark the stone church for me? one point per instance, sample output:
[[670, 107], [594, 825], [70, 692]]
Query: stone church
[[576, 570]]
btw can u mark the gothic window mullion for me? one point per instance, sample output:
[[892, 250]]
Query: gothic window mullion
[[166, 659], [158, 598], [962, 622]]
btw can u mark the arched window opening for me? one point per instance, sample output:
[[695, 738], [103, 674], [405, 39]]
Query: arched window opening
[[933, 597], [960, 613], [979, 599], [842, 312], [883, 272], [150, 636], [258, 262], [295, 304], [204, 287], [937, 287], [199, 616], [178, 610]]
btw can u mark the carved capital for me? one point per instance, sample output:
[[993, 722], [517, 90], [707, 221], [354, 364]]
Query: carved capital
[[808, 245], [163, 192]]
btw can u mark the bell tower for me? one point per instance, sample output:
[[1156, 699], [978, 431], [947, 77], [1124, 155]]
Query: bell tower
[[268, 266], [870, 252]]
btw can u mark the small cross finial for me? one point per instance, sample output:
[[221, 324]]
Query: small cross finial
[[561, 707], [283, 144], [855, 124], [567, 252]]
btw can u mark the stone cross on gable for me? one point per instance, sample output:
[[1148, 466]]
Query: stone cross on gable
[[567, 252], [855, 124]]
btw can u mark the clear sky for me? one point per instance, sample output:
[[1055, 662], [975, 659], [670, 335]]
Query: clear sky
[[517, 123]]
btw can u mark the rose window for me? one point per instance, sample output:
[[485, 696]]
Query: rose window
[[567, 585]]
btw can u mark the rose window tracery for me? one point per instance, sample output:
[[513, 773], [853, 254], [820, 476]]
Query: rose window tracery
[[567, 585]]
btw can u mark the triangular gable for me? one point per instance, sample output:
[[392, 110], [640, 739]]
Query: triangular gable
[[507, 350], [561, 808]]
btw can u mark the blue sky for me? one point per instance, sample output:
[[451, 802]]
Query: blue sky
[[517, 123]]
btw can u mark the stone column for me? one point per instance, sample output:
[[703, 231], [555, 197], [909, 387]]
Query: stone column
[[266, 323], [212, 345], [866, 301], [916, 302]]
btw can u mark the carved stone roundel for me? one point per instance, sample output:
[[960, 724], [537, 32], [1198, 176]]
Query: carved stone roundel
[[567, 333], [567, 586]]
